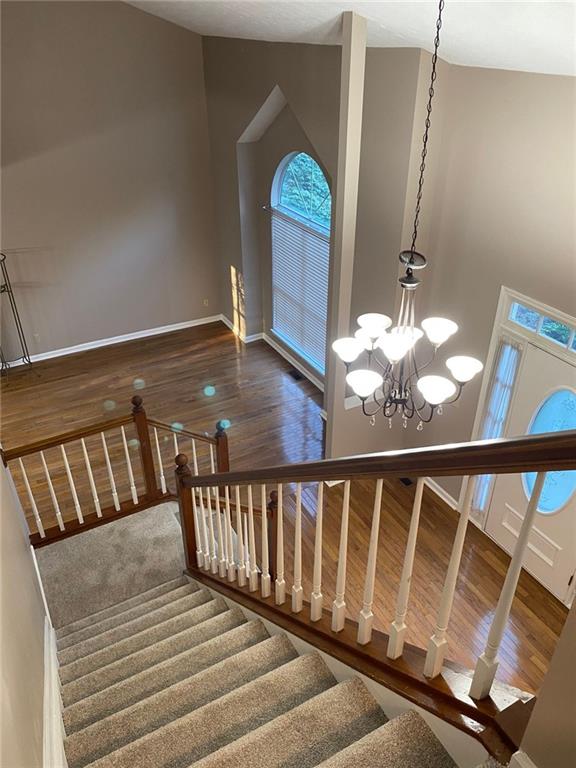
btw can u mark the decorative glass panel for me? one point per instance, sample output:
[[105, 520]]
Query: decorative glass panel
[[524, 316], [573, 345], [556, 331], [305, 191], [556, 414]]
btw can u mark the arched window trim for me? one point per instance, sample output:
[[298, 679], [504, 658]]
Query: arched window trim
[[276, 191]]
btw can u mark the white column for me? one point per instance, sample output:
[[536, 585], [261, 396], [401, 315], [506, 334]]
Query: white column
[[32, 501], [129, 467], [339, 604], [240, 540], [230, 545], [160, 465], [221, 547], [253, 575], [95, 498], [316, 596], [212, 542], [398, 627], [488, 663], [439, 642], [366, 618], [75, 498], [280, 584], [111, 480], [52, 493], [297, 591], [265, 585]]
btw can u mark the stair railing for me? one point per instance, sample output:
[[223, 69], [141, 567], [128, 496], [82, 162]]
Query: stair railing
[[96, 474], [540, 454]]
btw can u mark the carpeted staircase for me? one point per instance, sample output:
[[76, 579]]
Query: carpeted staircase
[[173, 678]]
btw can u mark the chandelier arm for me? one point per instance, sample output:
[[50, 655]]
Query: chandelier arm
[[418, 370], [367, 413], [456, 396]]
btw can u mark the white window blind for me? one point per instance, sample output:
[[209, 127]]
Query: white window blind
[[300, 258]]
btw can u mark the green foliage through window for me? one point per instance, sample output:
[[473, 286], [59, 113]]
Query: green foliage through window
[[304, 191], [552, 329]]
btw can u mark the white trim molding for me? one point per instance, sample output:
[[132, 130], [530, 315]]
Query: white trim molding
[[54, 733], [441, 493], [237, 332], [294, 362], [521, 760]]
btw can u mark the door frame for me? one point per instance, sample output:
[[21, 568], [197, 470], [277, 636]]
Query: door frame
[[504, 329]]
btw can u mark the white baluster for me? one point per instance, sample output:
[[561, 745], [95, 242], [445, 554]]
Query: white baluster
[[246, 545], [75, 498], [221, 548], [253, 572], [115, 498], [32, 501], [488, 663], [398, 627], [129, 467], [213, 558], [203, 529], [297, 591], [194, 457], [240, 541], [228, 522], [176, 447], [52, 493], [366, 618], [161, 466], [316, 598], [95, 498], [197, 534], [265, 585], [212, 463], [438, 642], [280, 584], [339, 604]]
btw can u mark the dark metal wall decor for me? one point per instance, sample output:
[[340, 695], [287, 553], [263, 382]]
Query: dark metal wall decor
[[6, 290]]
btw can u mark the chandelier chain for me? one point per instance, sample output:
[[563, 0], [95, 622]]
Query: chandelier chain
[[427, 127]]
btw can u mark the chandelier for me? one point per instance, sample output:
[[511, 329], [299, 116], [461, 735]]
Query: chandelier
[[382, 368]]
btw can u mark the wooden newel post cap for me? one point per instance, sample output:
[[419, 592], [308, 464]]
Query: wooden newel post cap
[[181, 462], [137, 404]]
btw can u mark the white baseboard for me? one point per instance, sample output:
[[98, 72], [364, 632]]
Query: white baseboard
[[246, 339], [439, 491], [521, 760], [294, 362], [54, 734], [120, 339]]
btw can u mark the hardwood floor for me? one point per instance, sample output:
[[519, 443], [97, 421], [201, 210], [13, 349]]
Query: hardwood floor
[[276, 419]]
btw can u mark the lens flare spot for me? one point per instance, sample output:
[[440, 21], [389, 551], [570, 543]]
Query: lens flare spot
[[109, 405], [209, 390], [133, 443], [138, 383], [177, 426], [225, 423]]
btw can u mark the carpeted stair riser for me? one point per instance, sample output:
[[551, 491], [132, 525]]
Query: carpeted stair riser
[[136, 662], [306, 735], [231, 635], [175, 702], [405, 742], [230, 717], [126, 616], [151, 619], [117, 608], [141, 640]]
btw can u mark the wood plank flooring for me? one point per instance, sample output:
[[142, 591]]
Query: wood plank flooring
[[276, 419]]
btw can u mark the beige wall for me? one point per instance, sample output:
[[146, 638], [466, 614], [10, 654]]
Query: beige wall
[[22, 640], [107, 203]]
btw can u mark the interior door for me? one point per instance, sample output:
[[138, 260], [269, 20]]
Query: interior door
[[544, 401]]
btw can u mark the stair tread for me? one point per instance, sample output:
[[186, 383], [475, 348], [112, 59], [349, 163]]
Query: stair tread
[[116, 620], [120, 607], [405, 742], [147, 715], [144, 639], [105, 676], [306, 735], [244, 709], [138, 624]]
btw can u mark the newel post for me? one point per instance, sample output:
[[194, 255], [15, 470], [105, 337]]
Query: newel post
[[186, 506], [146, 456], [271, 513], [222, 456]]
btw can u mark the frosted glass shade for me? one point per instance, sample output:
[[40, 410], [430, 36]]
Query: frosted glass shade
[[364, 382], [463, 368], [436, 389], [395, 345], [439, 329], [374, 324], [412, 335], [348, 349], [365, 339]]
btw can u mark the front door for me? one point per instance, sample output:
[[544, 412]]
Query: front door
[[545, 401]]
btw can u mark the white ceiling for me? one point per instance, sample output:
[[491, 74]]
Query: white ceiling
[[532, 35]]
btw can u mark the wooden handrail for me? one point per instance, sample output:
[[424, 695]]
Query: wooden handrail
[[551, 451], [186, 432]]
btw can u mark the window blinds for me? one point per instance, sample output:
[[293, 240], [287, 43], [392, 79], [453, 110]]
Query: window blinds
[[300, 258]]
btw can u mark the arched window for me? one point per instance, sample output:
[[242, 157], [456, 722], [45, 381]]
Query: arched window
[[301, 209]]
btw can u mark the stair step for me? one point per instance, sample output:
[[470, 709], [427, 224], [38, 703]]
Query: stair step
[[130, 602], [130, 665], [230, 637], [230, 717], [306, 735], [144, 639], [136, 626], [178, 700], [405, 742], [124, 617]]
